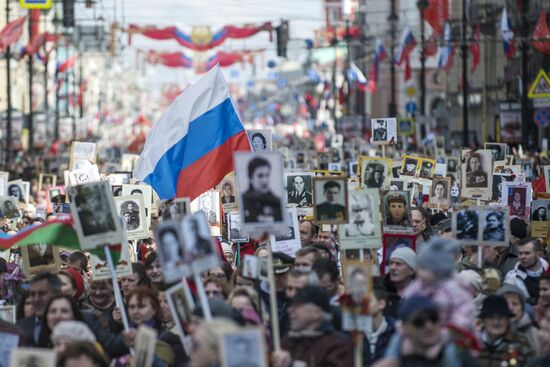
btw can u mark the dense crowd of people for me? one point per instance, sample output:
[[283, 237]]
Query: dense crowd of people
[[441, 303]]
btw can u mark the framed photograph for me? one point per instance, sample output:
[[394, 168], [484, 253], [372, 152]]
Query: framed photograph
[[301, 159], [363, 229], [260, 140], [126, 176], [131, 210], [171, 251], [39, 258], [495, 226], [228, 191], [452, 164], [323, 159], [392, 242], [299, 186], [367, 254], [245, 347], [440, 193], [509, 159], [374, 172], [84, 175], [384, 130], [45, 181], [33, 357], [397, 184], [466, 225], [397, 211], [409, 166], [209, 203], [330, 200], [426, 168], [199, 250], [357, 279], [251, 266], [289, 242], [9, 207], [174, 208], [498, 152], [517, 196], [115, 179], [235, 228], [261, 192], [83, 154], [144, 349], [540, 217], [146, 191], [95, 215], [100, 268], [4, 179], [16, 190], [334, 167], [8, 313], [181, 304], [477, 174], [353, 169]]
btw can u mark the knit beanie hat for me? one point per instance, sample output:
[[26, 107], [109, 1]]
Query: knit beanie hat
[[405, 254], [509, 288], [439, 256], [76, 331], [472, 278]]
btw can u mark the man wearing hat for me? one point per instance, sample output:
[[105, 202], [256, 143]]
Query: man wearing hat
[[421, 341], [312, 341], [402, 270], [501, 345]]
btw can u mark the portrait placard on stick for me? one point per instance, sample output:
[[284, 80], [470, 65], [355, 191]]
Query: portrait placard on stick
[[363, 229], [100, 266], [299, 186], [170, 250], [174, 208], [495, 226], [181, 306], [95, 215], [374, 172], [466, 225], [209, 203], [131, 210], [330, 198], [83, 154], [228, 190], [27, 357], [289, 243], [397, 211], [199, 250], [235, 228], [540, 218], [517, 196], [243, 348], [440, 193], [384, 130], [477, 174], [39, 258], [260, 140]]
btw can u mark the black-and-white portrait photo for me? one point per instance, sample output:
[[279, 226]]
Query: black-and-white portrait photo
[[384, 130], [361, 221], [260, 182], [494, 223], [15, 189], [466, 224], [244, 348], [199, 251], [228, 193], [427, 168], [173, 208], [498, 151], [476, 171], [323, 159], [32, 357], [288, 242], [131, 210], [144, 347], [209, 203], [170, 250], [540, 210], [375, 172], [440, 193], [181, 304], [97, 219], [409, 166], [452, 165], [84, 175], [330, 200], [353, 169], [299, 189], [235, 227], [260, 140], [9, 207]]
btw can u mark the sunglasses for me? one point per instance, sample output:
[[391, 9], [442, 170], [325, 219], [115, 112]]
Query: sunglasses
[[420, 321]]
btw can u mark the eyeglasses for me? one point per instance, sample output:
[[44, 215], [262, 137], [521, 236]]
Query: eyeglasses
[[420, 321]]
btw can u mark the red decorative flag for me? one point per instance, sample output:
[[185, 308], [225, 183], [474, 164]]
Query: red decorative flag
[[541, 35], [474, 49], [11, 32], [63, 67], [34, 45], [436, 14], [408, 71]]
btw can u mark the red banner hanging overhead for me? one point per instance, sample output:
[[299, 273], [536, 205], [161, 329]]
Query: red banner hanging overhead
[[200, 38], [541, 35], [436, 14]]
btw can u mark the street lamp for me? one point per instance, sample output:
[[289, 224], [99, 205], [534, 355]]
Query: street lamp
[[422, 5], [393, 18]]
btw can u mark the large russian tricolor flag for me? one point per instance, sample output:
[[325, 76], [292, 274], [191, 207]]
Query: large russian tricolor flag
[[189, 149]]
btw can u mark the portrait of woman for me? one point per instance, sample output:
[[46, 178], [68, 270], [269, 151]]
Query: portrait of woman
[[439, 195], [540, 214], [475, 175], [227, 193], [259, 142], [517, 202], [494, 227]]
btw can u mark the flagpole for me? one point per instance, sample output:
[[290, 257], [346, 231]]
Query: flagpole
[[464, 47], [116, 288], [30, 67], [8, 92], [273, 296]]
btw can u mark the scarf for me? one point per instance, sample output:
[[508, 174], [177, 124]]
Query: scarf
[[373, 335]]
